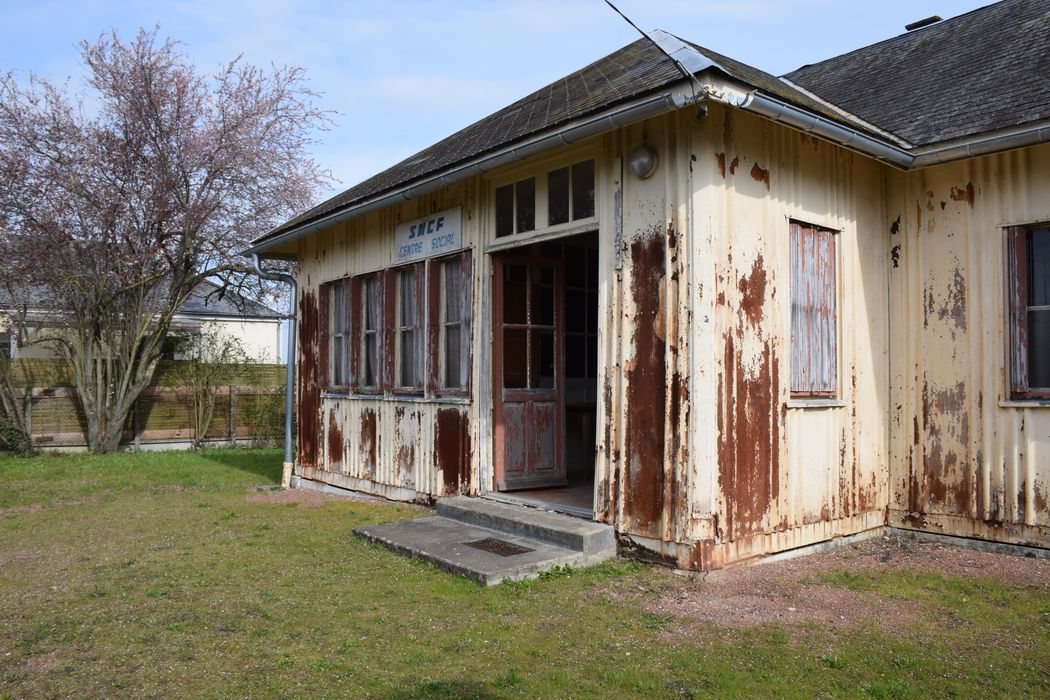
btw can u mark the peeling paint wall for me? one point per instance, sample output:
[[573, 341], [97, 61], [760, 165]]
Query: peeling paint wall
[[703, 457], [966, 460], [404, 448]]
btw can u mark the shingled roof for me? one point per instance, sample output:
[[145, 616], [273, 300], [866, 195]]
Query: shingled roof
[[636, 70], [979, 72]]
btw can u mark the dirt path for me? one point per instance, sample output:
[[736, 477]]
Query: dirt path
[[791, 591]]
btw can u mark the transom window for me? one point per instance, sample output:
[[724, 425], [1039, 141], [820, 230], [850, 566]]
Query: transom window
[[565, 195]]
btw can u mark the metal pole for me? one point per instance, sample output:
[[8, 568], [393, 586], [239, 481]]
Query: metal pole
[[289, 389]]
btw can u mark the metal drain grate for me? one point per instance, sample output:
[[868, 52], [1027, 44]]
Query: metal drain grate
[[500, 547]]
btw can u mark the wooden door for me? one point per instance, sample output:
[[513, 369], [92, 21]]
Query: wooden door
[[528, 372]]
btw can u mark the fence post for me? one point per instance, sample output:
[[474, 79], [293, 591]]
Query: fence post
[[29, 416], [135, 428], [233, 417]]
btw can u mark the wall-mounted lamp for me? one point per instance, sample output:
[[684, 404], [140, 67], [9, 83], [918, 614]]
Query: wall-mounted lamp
[[642, 161]]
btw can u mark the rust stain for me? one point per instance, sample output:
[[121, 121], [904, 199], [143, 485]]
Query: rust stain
[[646, 391], [368, 445], [733, 166], [947, 480], [309, 414], [753, 292], [748, 438], [760, 174], [963, 194], [405, 454], [721, 160], [452, 451], [335, 441]]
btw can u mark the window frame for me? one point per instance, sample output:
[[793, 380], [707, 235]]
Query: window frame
[[436, 333], [1017, 274], [360, 334], [540, 174], [329, 333], [813, 392], [418, 327]]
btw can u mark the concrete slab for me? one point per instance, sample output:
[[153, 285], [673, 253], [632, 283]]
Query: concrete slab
[[443, 542]]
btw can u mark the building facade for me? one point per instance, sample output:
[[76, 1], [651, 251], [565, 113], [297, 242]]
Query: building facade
[[705, 305]]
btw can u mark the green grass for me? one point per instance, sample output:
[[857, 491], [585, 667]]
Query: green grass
[[153, 575]]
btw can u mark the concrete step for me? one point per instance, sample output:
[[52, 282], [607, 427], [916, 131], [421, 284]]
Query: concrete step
[[540, 525], [481, 554]]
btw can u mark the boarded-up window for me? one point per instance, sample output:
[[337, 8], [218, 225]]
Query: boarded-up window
[[339, 325], [814, 328], [1029, 297], [409, 324]]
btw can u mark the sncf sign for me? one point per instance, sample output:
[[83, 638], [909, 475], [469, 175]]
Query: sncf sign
[[436, 234]]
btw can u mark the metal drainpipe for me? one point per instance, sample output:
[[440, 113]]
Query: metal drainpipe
[[289, 390]]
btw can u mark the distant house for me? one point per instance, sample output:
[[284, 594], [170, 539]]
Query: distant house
[[727, 313], [257, 326]]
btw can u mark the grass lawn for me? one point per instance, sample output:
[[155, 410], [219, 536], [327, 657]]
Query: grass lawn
[[157, 575]]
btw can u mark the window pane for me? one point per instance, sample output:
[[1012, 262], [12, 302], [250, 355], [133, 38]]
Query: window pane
[[515, 352], [1039, 349], [583, 190], [369, 369], [408, 298], [1039, 268], [542, 359], [542, 303], [338, 361], [371, 304], [592, 356], [558, 197], [408, 358], [453, 302], [526, 195], [575, 356], [514, 291], [575, 311], [504, 211], [452, 357], [575, 259]]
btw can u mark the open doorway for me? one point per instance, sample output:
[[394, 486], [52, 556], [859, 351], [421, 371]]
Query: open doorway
[[546, 373]]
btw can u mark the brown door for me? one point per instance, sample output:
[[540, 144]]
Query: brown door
[[528, 372]]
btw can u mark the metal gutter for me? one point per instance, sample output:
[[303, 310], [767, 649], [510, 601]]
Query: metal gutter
[[802, 120], [667, 101], [1031, 135], [289, 377]]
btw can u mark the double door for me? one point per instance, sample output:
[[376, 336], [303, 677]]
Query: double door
[[528, 372]]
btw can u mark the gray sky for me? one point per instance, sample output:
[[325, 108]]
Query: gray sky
[[403, 73]]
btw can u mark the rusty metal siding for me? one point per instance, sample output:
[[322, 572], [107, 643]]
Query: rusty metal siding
[[401, 446], [966, 458], [767, 472]]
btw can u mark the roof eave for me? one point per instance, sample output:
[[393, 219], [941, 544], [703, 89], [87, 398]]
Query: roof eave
[[668, 99]]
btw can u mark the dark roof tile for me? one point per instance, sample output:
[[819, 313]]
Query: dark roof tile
[[979, 72]]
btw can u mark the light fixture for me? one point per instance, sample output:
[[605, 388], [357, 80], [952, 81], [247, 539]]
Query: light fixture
[[642, 161]]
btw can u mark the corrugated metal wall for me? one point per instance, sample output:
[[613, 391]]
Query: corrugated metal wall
[[766, 473], [703, 456], [965, 459]]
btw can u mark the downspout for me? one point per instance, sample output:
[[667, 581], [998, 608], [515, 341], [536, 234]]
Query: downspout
[[289, 377]]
